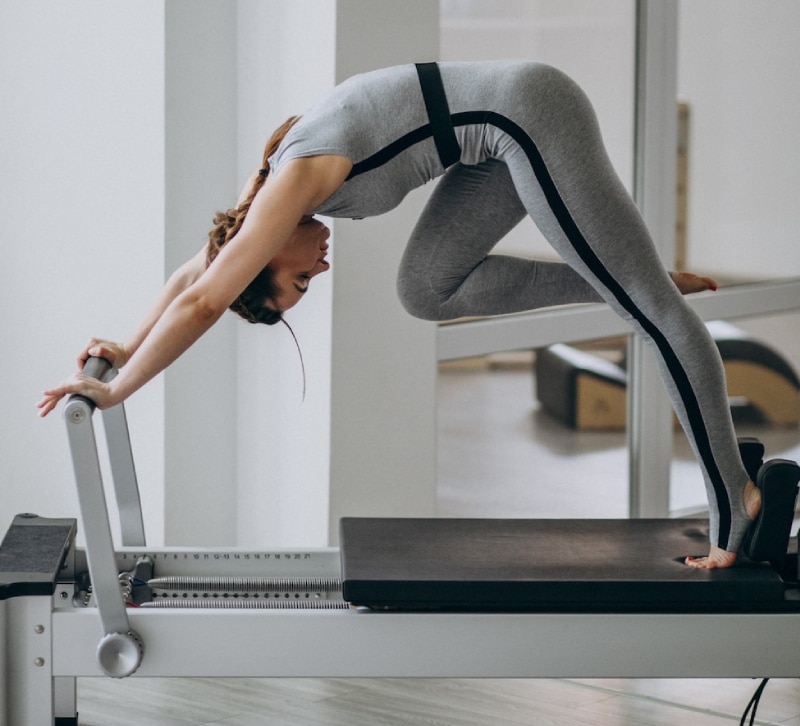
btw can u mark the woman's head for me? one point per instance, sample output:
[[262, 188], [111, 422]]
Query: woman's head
[[297, 262], [273, 290]]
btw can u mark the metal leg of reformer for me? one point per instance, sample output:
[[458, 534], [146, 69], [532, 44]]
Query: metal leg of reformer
[[29, 647], [65, 701], [3, 663], [30, 695]]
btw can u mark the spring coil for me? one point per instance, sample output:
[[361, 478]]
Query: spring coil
[[250, 604], [247, 584]]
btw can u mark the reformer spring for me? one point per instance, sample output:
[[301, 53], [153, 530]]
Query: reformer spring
[[262, 604], [246, 584]]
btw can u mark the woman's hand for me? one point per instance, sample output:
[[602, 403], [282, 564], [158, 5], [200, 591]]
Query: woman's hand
[[114, 353], [101, 393]]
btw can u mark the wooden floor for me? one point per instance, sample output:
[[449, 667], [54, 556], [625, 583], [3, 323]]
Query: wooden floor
[[389, 702], [499, 456]]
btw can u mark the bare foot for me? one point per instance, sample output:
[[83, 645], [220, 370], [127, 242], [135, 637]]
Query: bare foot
[[688, 282], [719, 558]]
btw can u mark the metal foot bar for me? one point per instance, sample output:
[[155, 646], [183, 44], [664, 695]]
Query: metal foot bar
[[123, 472], [119, 653]]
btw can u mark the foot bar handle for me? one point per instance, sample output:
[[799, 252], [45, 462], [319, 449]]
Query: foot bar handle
[[123, 470], [120, 651], [94, 368]]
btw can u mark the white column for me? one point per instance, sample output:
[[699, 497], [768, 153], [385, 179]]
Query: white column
[[649, 409], [363, 440], [383, 368], [200, 170], [285, 63]]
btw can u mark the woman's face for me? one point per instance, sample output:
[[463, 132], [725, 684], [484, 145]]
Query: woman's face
[[300, 259]]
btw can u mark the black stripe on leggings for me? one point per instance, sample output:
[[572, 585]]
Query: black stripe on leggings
[[578, 241]]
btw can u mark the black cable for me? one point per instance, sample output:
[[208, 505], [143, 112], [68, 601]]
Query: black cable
[[754, 703]]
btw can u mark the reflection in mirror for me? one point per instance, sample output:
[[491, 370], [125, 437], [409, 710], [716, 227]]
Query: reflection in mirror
[[511, 442], [737, 218], [501, 453]]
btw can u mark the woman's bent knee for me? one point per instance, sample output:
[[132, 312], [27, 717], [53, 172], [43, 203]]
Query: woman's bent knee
[[418, 299]]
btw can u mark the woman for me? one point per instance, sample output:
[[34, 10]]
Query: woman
[[508, 139]]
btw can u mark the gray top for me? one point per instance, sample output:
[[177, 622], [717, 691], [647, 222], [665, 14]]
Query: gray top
[[379, 118]]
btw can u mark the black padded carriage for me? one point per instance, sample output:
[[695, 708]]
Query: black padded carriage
[[545, 565]]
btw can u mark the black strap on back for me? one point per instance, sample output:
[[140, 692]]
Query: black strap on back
[[444, 135]]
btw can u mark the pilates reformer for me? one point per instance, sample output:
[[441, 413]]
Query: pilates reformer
[[399, 598]]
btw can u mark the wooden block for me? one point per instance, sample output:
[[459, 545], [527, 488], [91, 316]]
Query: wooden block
[[776, 398], [600, 405], [588, 392], [582, 390]]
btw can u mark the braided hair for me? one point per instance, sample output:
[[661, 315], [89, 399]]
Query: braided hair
[[252, 302]]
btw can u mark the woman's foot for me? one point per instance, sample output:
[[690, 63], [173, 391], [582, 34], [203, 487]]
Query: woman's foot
[[718, 558], [688, 282]]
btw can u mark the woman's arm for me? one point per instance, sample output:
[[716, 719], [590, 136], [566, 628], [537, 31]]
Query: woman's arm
[[119, 353], [275, 212]]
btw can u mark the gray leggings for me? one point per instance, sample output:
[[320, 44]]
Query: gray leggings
[[550, 163]]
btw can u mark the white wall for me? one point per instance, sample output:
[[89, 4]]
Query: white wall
[[118, 162], [738, 71], [82, 204], [130, 124]]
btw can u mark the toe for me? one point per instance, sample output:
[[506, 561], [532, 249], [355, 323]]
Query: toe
[[717, 559], [699, 563]]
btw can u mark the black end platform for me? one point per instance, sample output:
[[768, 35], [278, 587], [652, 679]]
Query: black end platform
[[32, 554], [548, 565]]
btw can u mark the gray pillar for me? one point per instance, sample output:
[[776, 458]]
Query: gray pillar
[[383, 369]]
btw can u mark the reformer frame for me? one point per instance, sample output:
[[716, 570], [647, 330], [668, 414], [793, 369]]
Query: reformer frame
[[49, 640]]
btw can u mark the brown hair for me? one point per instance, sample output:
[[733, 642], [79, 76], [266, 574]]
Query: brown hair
[[251, 304]]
